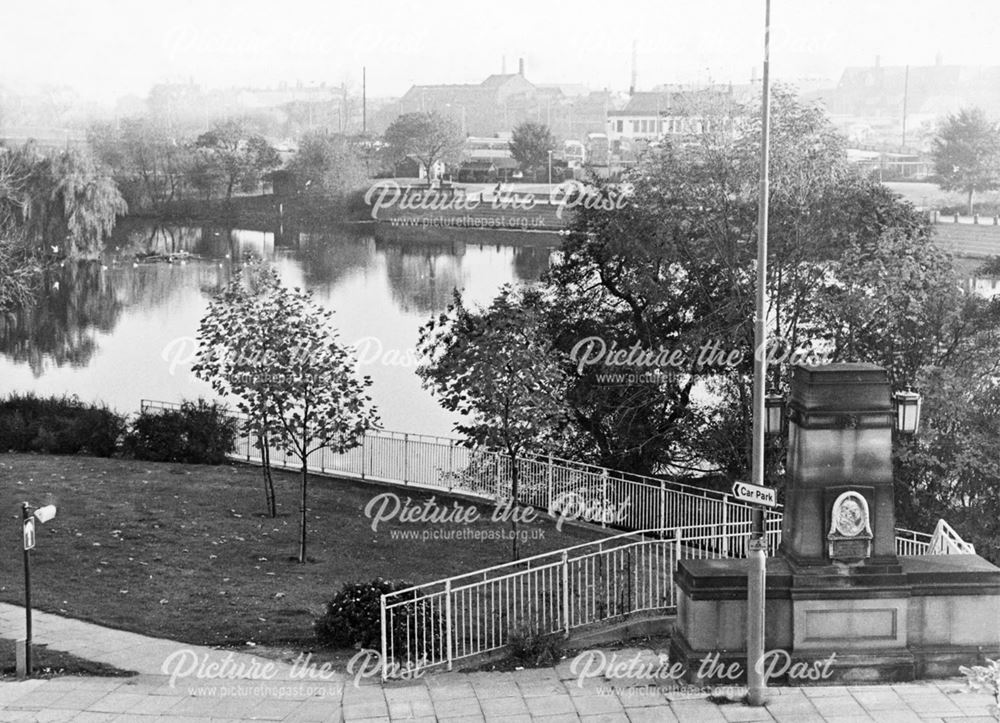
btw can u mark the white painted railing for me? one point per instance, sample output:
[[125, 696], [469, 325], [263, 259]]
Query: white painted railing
[[624, 501], [458, 617], [945, 541], [441, 622]]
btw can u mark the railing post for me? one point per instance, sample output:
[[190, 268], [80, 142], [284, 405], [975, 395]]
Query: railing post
[[725, 525], [385, 649], [604, 497], [677, 544], [548, 502], [565, 593], [663, 509], [406, 456], [447, 622], [451, 466]]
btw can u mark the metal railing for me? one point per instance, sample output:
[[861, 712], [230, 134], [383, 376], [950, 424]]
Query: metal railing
[[441, 622], [470, 614], [609, 498], [945, 541]]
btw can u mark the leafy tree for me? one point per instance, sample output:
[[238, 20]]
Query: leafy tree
[[234, 345], [237, 155], [151, 165], [530, 144], [427, 136], [967, 153], [328, 165], [295, 376], [19, 269], [497, 369], [65, 200]]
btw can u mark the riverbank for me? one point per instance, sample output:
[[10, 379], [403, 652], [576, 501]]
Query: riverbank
[[264, 212]]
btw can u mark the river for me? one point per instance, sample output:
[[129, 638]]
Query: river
[[117, 331]]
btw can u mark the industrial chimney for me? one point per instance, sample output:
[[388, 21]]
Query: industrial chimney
[[520, 67]]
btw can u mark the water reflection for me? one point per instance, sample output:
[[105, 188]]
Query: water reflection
[[121, 329], [76, 301]]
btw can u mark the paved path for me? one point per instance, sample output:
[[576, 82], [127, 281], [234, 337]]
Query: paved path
[[276, 693]]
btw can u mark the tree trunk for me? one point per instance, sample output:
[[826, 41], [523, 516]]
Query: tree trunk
[[302, 510], [972, 193], [265, 456]]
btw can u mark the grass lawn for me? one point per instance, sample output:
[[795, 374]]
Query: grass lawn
[[185, 552]]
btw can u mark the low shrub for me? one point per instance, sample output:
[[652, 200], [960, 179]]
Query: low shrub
[[352, 620], [196, 433], [532, 648], [58, 425]]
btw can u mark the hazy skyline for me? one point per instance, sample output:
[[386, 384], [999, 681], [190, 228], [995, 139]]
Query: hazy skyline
[[109, 48]]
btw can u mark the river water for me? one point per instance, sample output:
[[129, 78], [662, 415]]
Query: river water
[[117, 331]]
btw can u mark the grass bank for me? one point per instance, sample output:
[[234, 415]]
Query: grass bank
[[184, 552]]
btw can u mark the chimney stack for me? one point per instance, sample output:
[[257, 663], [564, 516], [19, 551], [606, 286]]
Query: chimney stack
[[520, 67]]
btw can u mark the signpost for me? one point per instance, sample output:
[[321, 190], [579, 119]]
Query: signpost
[[755, 494], [43, 515]]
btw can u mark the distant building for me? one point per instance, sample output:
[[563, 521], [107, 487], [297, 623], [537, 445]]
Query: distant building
[[501, 102], [649, 116], [869, 103]]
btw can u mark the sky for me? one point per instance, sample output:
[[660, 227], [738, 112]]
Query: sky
[[109, 48]]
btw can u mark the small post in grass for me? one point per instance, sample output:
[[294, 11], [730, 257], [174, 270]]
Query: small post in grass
[[29, 542], [23, 647]]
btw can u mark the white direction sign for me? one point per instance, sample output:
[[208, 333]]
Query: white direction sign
[[756, 494], [29, 533]]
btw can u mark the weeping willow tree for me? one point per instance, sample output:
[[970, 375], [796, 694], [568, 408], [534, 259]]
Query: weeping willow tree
[[66, 203]]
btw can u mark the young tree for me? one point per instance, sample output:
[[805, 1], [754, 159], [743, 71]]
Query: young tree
[[530, 144], [316, 394], [497, 369], [967, 154], [276, 349], [239, 156], [427, 136], [235, 338]]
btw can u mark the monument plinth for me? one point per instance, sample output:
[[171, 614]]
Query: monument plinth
[[837, 587]]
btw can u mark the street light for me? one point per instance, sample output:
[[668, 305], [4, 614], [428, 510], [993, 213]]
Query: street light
[[550, 168], [907, 409], [774, 414]]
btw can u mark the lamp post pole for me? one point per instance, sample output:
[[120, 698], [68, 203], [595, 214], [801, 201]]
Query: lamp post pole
[[550, 168], [757, 571]]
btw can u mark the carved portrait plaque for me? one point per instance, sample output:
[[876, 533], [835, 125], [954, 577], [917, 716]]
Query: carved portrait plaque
[[850, 533]]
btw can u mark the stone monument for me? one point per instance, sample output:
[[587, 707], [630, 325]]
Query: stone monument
[[837, 593]]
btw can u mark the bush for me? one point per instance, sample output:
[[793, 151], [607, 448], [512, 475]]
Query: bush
[[196, 433], [352, 619], [58, 425], [532, 648]]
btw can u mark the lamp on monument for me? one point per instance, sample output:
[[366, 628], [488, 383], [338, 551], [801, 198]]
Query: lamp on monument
[[774, 413], [907, 405]]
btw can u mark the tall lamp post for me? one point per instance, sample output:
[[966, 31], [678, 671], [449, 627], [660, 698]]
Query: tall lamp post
[[550, 168], [757, 571]]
